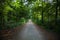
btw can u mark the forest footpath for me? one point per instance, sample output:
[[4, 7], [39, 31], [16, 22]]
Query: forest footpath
[[29, 31]]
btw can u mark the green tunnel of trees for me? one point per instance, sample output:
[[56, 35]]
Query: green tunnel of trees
[[45, 13]]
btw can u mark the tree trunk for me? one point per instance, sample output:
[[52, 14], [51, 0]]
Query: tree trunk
[[42, 11], [56, 15]]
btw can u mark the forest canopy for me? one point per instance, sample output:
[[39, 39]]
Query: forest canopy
[[42, 12]]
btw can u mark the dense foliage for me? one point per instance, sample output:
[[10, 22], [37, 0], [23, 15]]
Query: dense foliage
[[47, 14], [42, 12], [13, 13]]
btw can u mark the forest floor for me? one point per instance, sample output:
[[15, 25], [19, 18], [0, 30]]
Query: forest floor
[[31, 31]]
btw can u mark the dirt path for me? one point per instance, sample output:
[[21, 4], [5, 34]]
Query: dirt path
[[31, 32]]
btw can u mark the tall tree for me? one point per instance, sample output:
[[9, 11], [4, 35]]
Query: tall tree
[[56, 15], [42, 12]]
